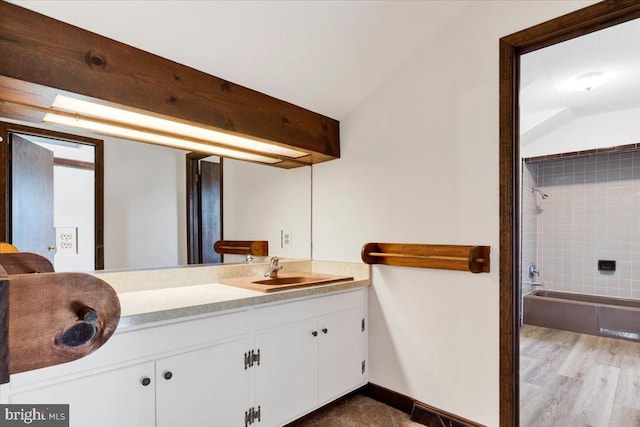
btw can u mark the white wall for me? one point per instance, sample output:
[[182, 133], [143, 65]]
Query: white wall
[[74, 206], [611, 129], [259, 201], [420, 164], [144, 205]]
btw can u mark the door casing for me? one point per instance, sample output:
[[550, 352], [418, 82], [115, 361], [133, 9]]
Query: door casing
[[578, 23]]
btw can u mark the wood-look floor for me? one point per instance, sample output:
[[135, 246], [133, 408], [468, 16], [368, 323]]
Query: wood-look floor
[[576, 380]]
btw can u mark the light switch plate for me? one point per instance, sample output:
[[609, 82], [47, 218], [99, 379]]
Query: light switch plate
[[285, 238]]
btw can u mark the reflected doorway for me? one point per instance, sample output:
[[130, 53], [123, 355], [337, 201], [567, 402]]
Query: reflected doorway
[[204, 208], [53, 196]]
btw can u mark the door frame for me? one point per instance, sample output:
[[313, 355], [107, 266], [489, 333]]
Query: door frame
[[194, 207], [578, 23], [5, 180]]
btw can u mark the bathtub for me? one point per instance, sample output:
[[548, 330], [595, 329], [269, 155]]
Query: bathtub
[[586, 314]]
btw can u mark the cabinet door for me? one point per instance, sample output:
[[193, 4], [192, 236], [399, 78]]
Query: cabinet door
[[340, 354], [113, 398], [207, 387], [287, 378]]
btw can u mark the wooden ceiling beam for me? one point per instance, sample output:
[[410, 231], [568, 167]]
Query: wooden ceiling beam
[[54, 55]]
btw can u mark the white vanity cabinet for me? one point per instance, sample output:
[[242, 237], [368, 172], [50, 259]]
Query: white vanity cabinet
[[184, 373], [113, 398], [311, 352], [207, 387], [199, 388], [259, 366], [341, 354], [286, 382]]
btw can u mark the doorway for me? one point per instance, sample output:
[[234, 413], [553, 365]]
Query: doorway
[[204, 208], [53, 196], [590, 19]]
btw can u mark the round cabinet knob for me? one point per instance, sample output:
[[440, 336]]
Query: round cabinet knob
[[167, 375], [145, 381], [314, 333], [325, 330]]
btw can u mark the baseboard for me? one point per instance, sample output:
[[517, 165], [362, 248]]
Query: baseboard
[[389, 397], [420, 412]]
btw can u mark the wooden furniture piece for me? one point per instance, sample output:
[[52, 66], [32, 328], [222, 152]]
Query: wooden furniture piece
[[448, 257], [7, 248], [25, 263], [58, 317], [242, 247]]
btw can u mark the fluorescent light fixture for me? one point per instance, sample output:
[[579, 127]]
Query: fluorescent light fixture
[[99, 111], [154, 138]]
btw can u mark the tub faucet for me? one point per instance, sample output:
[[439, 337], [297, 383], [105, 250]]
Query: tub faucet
[[533, 271], [274, 267], [533, 283]]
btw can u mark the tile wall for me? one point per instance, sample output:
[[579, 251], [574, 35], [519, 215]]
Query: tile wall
[[592, 213], [529, 217]]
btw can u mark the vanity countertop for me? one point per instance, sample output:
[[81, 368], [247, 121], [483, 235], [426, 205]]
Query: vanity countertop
[[155, 300]]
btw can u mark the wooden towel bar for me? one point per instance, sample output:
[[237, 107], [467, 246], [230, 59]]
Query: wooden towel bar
[[242, 247], [448, 257]]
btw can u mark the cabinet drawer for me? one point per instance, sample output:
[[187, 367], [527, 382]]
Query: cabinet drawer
[[280, 314], [144, 344]]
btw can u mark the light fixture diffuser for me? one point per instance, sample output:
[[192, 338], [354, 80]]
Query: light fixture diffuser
[[154, 138], [112, 114]]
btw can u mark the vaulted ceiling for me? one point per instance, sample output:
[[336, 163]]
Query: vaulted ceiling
[[549, 98], [326, 56]]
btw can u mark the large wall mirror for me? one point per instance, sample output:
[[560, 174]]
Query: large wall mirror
[[95, 88], [145, 202]]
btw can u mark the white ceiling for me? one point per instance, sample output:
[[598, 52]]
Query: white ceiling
[[326, 56], [546, 103]]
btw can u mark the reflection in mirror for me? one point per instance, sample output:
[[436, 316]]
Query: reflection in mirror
[[144, 205], [53, 200], [266, 203], [579, 134], [145, 208]]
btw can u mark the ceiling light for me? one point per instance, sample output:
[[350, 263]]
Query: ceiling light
[[588, 81], [154, 138], [99, 111]]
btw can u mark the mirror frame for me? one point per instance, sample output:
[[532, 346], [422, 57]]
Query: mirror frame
[[5, 181], [575, 24]]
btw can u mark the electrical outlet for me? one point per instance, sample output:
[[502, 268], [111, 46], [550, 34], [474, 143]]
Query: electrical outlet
[[66, 240], [285, 239]]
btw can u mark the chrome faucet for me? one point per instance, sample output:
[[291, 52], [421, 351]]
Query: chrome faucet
[[274, 267]]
